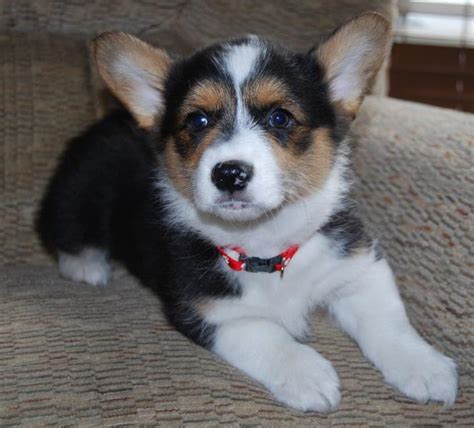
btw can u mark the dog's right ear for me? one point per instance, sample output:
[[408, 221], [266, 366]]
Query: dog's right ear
[[135, 72]]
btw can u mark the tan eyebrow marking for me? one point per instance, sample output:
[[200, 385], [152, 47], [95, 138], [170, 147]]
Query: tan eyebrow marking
[[270, 91], [207, 96]]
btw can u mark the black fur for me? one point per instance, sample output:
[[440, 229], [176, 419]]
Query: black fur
[[345, 228], [304, 77], [182, 78]]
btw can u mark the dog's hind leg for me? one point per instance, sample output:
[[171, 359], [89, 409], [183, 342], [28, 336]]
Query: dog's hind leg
[[85, 214]]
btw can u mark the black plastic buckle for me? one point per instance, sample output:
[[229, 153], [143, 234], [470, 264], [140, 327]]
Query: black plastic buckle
[[256, 264]]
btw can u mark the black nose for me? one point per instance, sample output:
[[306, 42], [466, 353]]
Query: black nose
[[231, 176]]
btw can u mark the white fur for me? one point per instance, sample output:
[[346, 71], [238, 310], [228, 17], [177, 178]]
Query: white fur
[[312, 278], [247, 144], [240, 60], [263, 191], [276, 231], [255, 331], [347, 70], [147, 100], [296, 374], [373, 314], [89, 266], [347, 84]]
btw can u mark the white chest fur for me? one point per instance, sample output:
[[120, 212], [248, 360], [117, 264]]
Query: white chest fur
[[311, 278]]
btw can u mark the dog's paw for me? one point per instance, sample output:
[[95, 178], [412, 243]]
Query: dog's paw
[[307, 381], [426, 375], [89, 266]]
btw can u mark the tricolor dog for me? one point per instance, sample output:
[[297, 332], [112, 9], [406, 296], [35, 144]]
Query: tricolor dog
[[225, 187]]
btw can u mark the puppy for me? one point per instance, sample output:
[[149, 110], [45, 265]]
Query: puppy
[[225, 188]]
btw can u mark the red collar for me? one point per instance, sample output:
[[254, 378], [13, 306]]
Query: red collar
[[256, 264]]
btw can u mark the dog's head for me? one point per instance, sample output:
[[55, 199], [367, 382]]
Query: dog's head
[[246, 127]]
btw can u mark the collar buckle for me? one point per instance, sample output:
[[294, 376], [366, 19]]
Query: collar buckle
[[257, 264]]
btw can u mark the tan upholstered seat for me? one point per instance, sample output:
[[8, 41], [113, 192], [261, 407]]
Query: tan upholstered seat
[[76, 355]]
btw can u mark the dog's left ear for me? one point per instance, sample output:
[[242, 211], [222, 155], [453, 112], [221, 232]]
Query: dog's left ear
[[351, 58], [135, 72]]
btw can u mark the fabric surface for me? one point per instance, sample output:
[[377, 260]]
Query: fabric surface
[[415, 166], [72, 354], [184, 26], [188, 24], [45, 99], [105, 356]]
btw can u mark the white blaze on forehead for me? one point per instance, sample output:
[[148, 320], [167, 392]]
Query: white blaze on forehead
[[240, 60]]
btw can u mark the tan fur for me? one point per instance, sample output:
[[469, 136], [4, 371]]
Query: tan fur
[[308, 171], [362, 248], [180, 169], [304, 172], [204, 306], [207, 96], [193, 160], [110, 48], [177, 172], [270, 91], [369, 29]]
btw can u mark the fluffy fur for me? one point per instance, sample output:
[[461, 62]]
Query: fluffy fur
[[139, 188]]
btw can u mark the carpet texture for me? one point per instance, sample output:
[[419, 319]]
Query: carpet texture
[[72, 354]]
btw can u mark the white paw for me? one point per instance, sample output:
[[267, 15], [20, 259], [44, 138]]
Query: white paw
[[89, 266], [307, 381], [425, 375]]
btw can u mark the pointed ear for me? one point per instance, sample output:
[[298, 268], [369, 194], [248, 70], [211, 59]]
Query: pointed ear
[[135, 72], [351, 58]]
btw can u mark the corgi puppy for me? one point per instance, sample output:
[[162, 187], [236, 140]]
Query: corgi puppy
[[225, 186]]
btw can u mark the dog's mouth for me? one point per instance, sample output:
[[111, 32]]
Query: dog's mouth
[[237, 203], [237, 207], [234, 202]]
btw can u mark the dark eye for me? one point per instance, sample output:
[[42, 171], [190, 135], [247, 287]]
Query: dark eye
[[198, 121], [279, 119]]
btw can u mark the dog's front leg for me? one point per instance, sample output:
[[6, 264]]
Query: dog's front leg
[[295, 373], [373, 314]]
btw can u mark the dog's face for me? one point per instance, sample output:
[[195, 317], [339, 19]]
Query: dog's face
[[246, 127], [249, 131]]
